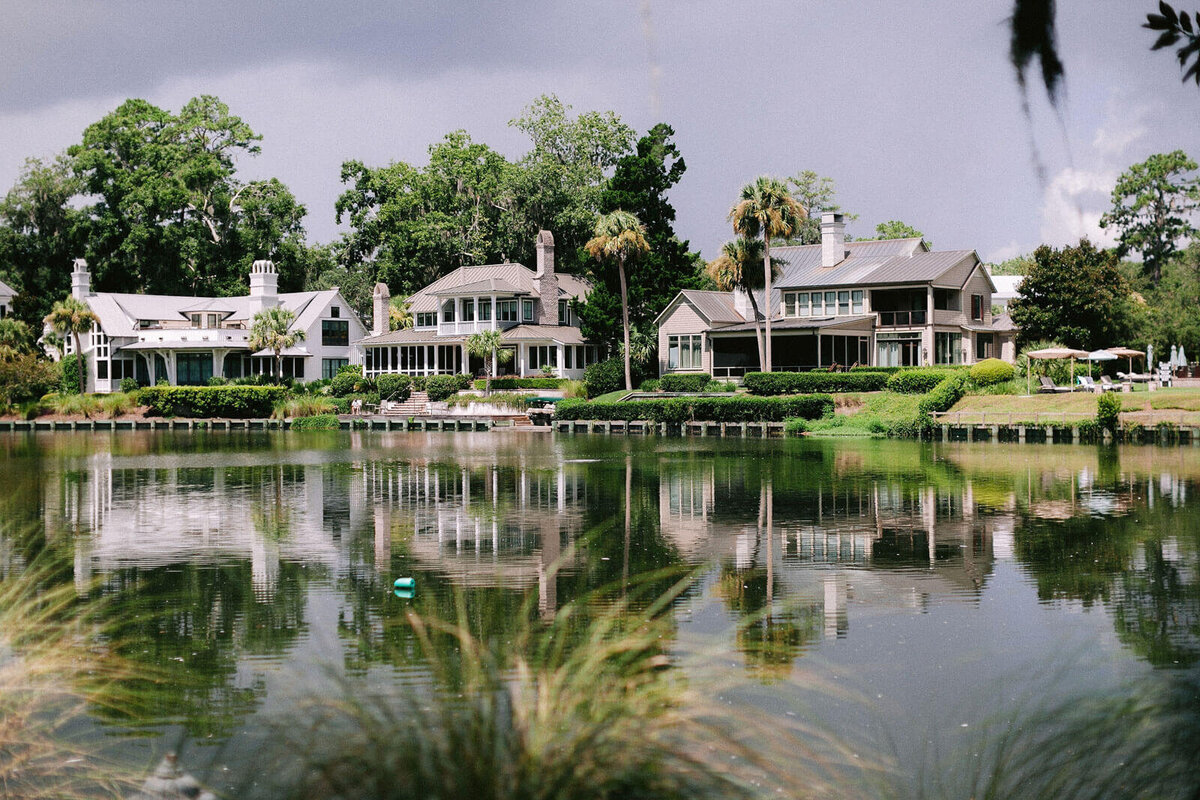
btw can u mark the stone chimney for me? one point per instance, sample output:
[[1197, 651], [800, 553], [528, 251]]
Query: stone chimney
[[264, 286], [545, 282], [833, 239], [81, 279], [380, 302]]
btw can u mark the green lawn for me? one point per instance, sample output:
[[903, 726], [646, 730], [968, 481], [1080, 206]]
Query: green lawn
[[1164, 405], [866, 414]]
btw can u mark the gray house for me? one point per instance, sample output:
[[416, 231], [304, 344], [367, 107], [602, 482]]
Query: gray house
[[188, 340], [881, 303]]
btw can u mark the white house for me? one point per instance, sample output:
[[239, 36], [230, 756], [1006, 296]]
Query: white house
[[188, 340], [530, 308], [7, 293]]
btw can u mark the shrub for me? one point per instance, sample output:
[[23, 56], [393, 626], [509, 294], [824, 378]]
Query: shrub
[[509, 384], [348, 380], [129, 385], [650, 385], [604, 377], [318, 422], [394, 387], [212, 401], [440, 387], [915, 381], [774, 383], [675, 410], [720, 386], [217, 380], [27, 377], [303, 406], [513, 400], [69, 375], [1108, 411], [684, 382], [116, 404], [794, 426], [991, 371], [948, 392], [342, 404]]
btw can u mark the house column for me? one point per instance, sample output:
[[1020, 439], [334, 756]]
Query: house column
[[927, 334], [495, 313], [561, 363], [466, 356], [436, 356], [218, 362]]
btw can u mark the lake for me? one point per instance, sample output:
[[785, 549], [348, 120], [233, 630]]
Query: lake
[[926, 605]]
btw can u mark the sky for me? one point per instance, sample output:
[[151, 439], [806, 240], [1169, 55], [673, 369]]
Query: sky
[[911, 108]]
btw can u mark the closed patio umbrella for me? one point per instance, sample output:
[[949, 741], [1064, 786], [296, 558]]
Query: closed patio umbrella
[[1174, 360]]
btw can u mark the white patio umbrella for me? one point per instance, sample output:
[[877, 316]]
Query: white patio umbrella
[[1174, 360], [1183, 362], [1054, 353], [1126, 352]]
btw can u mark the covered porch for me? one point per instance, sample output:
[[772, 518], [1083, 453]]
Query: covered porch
[[796, 346]]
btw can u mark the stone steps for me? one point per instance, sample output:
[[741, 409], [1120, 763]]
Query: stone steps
[[417, 404]]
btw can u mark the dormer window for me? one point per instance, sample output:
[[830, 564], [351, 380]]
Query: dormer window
[[506, 310], [197, 320], [527, 310], [448, 311], [564, 313]]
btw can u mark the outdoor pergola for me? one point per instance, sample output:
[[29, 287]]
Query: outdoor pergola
[[1053, 353]]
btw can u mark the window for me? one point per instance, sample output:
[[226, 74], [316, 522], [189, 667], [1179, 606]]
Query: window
[[947, 348], [684, 352], [856, 301], [102, 370], [568, 357], [330, 366], [335, 332], [985, 344], [506, 310], [527, 310], [448, 311], [564, 313], [789, 304], [802, 304], [427, 319], [542, 356], [898, 349], [485, 309], [977, 306], [830, 303], [197, 320], [193, 369], [947, 300], [843, 303], [468, 310], [123, 368], [818, 310], [335, 312]]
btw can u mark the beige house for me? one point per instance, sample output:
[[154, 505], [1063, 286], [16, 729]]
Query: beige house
[[530, 308], [891, 302]]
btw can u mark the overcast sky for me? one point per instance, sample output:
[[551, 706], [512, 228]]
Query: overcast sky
[[911, 108]]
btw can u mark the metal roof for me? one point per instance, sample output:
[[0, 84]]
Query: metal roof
[[498, 285], [803, 323], [717, 307], [517, 276], [563, 334]]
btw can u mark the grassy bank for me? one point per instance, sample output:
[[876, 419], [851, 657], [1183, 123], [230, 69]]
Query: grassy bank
[[1179, 406], [859, 414]]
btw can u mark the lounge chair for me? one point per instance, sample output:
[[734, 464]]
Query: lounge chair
[[1050, 387], [1086, 384], [1106, 384], [1133, 377]]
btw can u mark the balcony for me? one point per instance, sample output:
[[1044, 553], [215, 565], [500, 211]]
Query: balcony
[[901, 319]]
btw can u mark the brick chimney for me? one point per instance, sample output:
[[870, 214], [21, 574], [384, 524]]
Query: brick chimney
[[381, 318], [833, 239], [81, 279], [264, 286], [545, 282], [741, 304]]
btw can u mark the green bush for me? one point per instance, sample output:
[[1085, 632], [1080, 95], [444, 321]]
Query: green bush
[[212, 401], [217, 380], [794, 426], [675, 410], [774, 383], [991, 371], [440, 387], [948, 392], [684, 382], [885, 370], [394, 387], [342, 404], [650, 385], [129, 385], [27, 377], [604, 377], [1108, 411], [69, 375], [915, 381], [349, 380], [320, 422], [509, 384], [720, 386]]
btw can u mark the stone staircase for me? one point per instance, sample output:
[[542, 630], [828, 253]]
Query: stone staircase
[[416, 405]]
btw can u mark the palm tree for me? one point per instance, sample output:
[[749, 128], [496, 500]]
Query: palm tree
[[270, 331], [736, 268], [399, 314], [71, 317], [14, 337], [766, 208], [621, 237], [486, 345]]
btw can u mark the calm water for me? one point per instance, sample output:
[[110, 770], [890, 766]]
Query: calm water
[[906, 596]]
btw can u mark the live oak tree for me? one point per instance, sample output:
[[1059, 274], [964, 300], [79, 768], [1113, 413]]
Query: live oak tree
[[1152, 207], [1076, 296], [817, 194], [895, 229]]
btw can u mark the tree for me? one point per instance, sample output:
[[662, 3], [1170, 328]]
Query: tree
[[737, 268], [399, 314], [14, 337], [620, 238], [71, 317], [639, 185], [486, 345], [895, 229], [1017, 265], [766, 208], [816, 194], [1151, 205], [270, 330], [1175, 26], [1076, 296]]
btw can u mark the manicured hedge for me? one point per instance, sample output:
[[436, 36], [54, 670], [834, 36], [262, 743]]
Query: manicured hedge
[[886, 370], [772, 383], [948, 392], [675, 410], [440, 387], [609, 376], [508, 384], [394, 387], [319, 422], [915, 381], [212, 401], [684, 382], [992, 371]]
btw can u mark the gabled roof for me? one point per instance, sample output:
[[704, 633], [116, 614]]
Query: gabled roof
[[6, 290], [119, 313], [473, 279], [803, 323], [717, 308], [888, 261]]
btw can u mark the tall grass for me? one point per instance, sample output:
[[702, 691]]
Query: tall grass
[[71, 405], [308, 405], [514, 400]]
